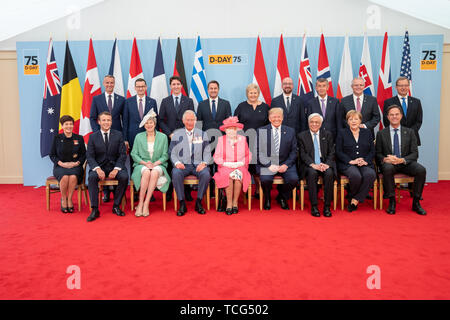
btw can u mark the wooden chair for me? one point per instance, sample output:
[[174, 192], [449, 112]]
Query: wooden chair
[[191, 180], [319, 181], [132, 197], [277, 180], [109, 182], [399, 178], [249, 197], [344, 180], [80, 189]]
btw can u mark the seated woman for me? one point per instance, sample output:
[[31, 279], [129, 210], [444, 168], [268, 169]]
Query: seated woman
[[232, 157], [355, 151], [68, 154], [150, 156]]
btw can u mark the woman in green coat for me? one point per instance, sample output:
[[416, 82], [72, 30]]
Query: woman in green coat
[[150, 156]]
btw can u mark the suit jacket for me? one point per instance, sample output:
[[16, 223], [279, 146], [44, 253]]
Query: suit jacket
[[369, 110], [180, 151], [333, 114], [169, 118], [348, 149], [306, 150], [99, 156], [223, 111], [413, 117], [131, 118], [296, 117], [99, 105], [409, 150]]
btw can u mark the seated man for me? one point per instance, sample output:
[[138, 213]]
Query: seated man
[[106, 154], [277, 151], [190, 155], [316, 148], [396, 152]]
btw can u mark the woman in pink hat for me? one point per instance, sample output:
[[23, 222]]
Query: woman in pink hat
[[232, 157]]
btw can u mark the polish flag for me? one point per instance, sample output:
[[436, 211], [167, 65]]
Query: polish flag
[[260, 75], [135, 70], [345, 74], [323, 67], [282, 69]]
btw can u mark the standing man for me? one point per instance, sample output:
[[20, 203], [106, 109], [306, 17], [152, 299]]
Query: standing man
[[396, 151], [292, 105], [106, 155]]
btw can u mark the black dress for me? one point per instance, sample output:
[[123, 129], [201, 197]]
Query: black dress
[[68, 150]]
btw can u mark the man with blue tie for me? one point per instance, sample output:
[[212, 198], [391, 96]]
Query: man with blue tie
[[397, 152]]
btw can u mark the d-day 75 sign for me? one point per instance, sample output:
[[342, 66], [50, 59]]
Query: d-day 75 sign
[[31, 62], [241, 59]]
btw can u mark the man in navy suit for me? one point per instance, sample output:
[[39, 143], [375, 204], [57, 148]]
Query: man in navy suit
[[328, 107], [106, 155], [277, 152], [292, 105], [107, 101], [214, 110]]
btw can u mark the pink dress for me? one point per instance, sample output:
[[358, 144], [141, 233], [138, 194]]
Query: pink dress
[[227, 152]]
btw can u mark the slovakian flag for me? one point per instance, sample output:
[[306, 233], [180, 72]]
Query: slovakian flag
[[365, 69], [305, 85], [116, 70], [159, 90], [71, 96], [178, 67], [50, 103], [405, 69], [135, 70], [384, 90], [282, 69], [346, 73], [323, 67], [199, 88], [91, 89], [260, 75]]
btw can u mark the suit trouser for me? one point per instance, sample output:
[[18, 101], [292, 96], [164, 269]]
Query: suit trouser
[[290, 178], [178, 176], [412, 169], [122, 177], [361, 179], [312, 176]]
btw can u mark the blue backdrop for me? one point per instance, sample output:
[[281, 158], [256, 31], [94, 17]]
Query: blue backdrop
[[233, 78]]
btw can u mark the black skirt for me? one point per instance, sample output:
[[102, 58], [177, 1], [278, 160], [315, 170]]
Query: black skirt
[[60, 172]]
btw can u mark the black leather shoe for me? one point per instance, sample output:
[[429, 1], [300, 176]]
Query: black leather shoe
[[352, 207], [417, 208], [391, 208], [70, 209], [94, 215], [326, 212], [182, 210], [267, 203], [117, 211], [229, 211], [106, 196], [315, 211], [198, 207], [235, 210], [283, 204]]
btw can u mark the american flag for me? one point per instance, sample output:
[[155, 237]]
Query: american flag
[[50, 103], [305, 85], [405, 70]]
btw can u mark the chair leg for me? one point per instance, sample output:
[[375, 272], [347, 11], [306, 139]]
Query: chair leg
[[47, 196], [342, 196], [208, 198], [335, 195], [302, 195], [381, 194], [100, 192], [375, 195], [132, 197], [397, 188], [175, 199], [164, 201], [249, 195], [216, 197], [79, 192], [294, 198], [124, 201], [261, 196]]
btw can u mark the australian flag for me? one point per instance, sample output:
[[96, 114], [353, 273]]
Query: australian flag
[[50, 103]]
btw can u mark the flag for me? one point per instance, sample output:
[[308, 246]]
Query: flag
[[199, 89], [116, 70], [135, 70], [158, 90], [71, 95], [345, 74], [405, 69], [365, 69], [323, 67], [91, 89], [260, 75], [178, 68], [384, 90], [305, 85], [282, 69], [50, 103]]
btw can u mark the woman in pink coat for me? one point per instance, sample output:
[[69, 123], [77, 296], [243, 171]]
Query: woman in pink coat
[[232, 157]]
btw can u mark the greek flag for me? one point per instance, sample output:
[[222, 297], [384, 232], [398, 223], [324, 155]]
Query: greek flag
[[198, 90]]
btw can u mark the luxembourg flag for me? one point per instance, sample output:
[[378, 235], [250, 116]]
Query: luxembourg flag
[[260, 75], [116, 70], [199, 91], [282, 69], [323, 67], [365, 69], [384, 90], [345, 74], [135, 70], [305, 85], [158, 90]]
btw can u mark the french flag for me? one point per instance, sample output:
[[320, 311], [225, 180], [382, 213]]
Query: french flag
[[323, 67], [135, 70], [282, 69], [158, 89], [116, 70], [260, 75]]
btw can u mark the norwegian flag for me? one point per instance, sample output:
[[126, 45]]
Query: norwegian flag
[[282, 69], [260, 75], [405, 69], [50, 103], [365, 69], [323, 67], [135, 70], [91, 89], [384, 90], [305, 85]]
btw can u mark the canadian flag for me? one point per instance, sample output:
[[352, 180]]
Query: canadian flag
[[323, 67], [135, 70], [282, 69], [260, 75], [384, 90], [91, 89]]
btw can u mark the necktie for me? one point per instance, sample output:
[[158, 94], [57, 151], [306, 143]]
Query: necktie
[[106, 140], [213, 111], [323, 107], [109, 103], [404, 105], [277, 142], [316, 150], [141, 108], [358, 105], [288, 104], [396, 144], [177, 104]]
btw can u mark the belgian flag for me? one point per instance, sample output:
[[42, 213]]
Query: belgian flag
[[71, 95], [178, 69]]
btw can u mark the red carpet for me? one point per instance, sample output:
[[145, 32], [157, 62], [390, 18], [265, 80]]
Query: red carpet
[[252, 255]]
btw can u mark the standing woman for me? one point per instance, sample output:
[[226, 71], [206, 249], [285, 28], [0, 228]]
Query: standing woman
[[355, 151], [150, 156], [68, 154]]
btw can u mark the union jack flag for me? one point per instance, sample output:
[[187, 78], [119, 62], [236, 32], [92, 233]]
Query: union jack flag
[[405, 69], [305, 85], [50, 103]]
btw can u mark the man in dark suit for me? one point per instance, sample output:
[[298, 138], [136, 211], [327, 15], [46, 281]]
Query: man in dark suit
[[363, 103], [190, 155], [106, 155], [396, 152], [411, 107], [316, 158], [277, 151], [107, 101], [328, 107], [292, 105]]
